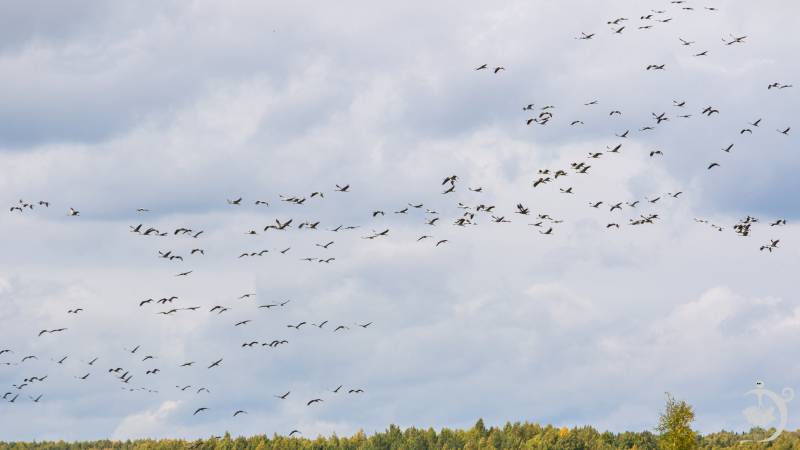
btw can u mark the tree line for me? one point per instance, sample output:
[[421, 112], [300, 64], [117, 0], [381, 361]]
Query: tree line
[[529, 436]]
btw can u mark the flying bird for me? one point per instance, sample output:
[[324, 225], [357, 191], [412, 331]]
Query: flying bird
[[215, 363]]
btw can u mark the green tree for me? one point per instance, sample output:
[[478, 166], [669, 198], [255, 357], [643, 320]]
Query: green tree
[[675, 425], [480, 428]]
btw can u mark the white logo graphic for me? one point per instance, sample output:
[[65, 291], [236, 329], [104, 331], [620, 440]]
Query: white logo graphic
[[762, 415]]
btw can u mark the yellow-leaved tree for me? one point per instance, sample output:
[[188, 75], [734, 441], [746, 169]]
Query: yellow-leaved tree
[[675, 425]]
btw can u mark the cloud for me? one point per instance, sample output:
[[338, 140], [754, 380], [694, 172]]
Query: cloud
[[176, 108], [146, 424]]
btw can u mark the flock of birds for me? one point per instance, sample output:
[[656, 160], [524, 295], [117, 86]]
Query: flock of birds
[[127, 375], [545, 114], [468, 215]]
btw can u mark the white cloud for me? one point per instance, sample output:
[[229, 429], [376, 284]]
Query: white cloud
[[147, 424], [177, 108]]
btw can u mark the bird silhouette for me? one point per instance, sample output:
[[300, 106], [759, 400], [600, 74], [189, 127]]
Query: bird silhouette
[[215, 363]]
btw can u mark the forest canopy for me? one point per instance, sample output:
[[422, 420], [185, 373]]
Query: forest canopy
[[479, 437]]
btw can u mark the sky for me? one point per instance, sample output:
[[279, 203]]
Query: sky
[[177, 107]]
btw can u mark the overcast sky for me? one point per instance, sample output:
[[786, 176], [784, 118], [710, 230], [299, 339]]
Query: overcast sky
[[107, 107]]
